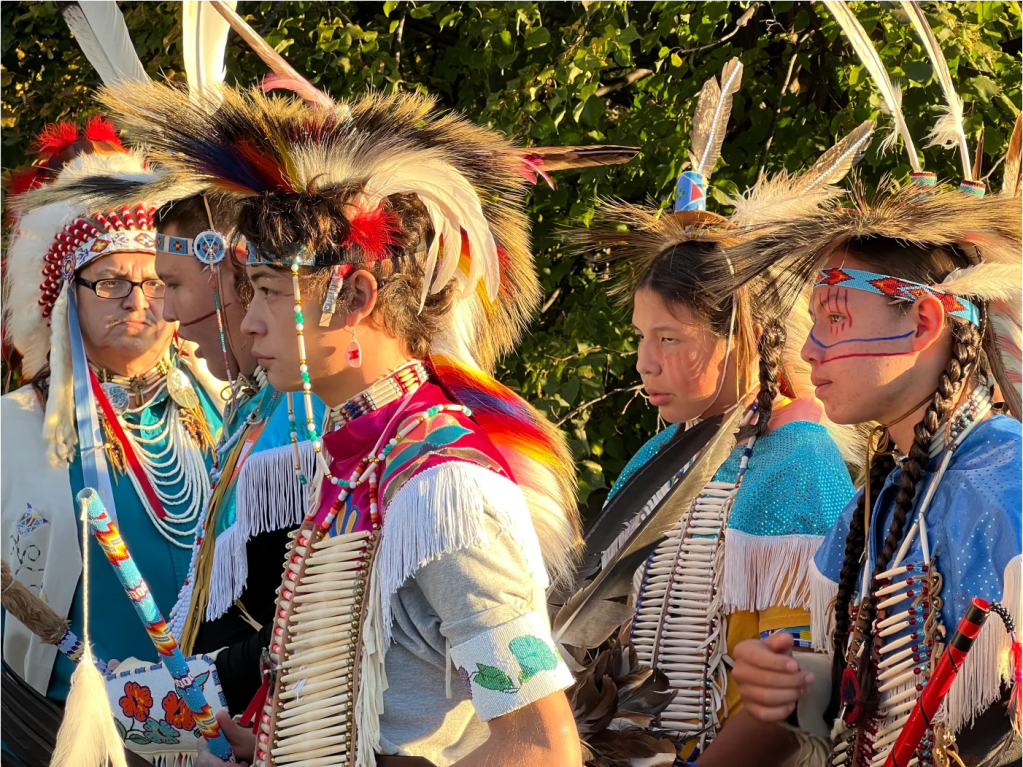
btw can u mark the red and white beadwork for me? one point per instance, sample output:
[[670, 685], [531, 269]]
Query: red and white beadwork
[[82, 241]]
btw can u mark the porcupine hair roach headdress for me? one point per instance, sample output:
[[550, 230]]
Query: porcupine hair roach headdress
[[280, 159], [695, 241]]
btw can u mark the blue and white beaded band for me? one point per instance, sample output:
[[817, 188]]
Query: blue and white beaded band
[[900, 290]]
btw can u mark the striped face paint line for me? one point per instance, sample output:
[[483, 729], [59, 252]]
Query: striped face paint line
[[833, 303]]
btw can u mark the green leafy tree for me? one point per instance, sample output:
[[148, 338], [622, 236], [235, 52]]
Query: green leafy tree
[[578, 73]]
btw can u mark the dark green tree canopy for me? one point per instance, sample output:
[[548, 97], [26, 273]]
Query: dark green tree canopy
[[578, 73]]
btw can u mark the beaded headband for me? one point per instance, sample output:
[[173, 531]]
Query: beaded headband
[[900, 290], [209, 247], [83, 241]]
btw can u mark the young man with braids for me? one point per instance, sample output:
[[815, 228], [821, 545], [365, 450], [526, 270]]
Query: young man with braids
[[916, 301]]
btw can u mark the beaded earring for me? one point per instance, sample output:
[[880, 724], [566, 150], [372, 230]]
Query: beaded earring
[[353, 352]]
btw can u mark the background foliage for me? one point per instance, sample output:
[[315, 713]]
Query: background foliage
[[578, 73]]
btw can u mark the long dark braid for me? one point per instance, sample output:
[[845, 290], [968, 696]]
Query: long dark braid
[[966, 341], [880, 467], [769, 350]]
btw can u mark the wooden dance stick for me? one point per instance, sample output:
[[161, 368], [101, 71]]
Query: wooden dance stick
[[105, 530]]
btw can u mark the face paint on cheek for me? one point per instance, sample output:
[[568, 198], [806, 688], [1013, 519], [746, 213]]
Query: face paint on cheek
[[843, 343]]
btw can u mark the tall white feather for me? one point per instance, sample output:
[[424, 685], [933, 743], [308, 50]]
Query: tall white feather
[[204, 41], [103, 37], [949, 130], [711, 118], [860, 42]]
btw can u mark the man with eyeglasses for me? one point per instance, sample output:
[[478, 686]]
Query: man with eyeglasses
[[114, 401]]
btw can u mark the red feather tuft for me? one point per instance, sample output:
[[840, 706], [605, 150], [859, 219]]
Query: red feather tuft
[[373, 231], [55, 138], [99, 129], [23, 180]]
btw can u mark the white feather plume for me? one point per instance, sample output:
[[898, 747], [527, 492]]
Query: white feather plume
[[204, 37], [453, 206], [711, 118], [785, 196], [988, 282], [99, 28], [949, 131], [28, 245], [860, 42]]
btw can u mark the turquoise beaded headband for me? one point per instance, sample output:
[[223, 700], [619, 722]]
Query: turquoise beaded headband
[[900, 290]]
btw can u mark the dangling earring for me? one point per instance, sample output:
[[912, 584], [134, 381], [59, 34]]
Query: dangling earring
[[353, 352]]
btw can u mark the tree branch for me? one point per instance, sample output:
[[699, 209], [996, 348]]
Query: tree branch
[[592, 402], [762, 164], [624, 82], [739, 24]]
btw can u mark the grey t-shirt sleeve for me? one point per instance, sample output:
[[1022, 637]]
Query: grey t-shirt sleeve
[[490, 607]]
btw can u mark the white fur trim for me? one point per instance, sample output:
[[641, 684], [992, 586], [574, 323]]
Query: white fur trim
[[454, 496], [27, 247], [823, 591], [59, 423], [372, 678], [764, 571], [268, 496], [988, 666]]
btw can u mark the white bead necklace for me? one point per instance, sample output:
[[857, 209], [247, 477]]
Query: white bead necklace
[[180, 461]]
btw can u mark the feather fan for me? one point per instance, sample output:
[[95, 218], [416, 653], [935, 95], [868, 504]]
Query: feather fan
[[285, 75], [588, 608], [786, 196], [711, 118], [1012, 183], [949, 131], [103, 37], [892, 96], [204, 37]]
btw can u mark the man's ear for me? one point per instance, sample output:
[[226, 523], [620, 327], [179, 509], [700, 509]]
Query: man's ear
[[928, 315], [364, 297]]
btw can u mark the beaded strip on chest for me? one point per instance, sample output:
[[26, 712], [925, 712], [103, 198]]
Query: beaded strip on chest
[[680, 624], [909, 635]]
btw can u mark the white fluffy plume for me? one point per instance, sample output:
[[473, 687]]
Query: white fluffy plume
[[892, 96], [453, 206], [99, 28], [29, 243], [949, 130], [785, 196], [988, 282]]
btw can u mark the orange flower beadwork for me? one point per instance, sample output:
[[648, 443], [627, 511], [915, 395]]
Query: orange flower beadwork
[[136, 701]]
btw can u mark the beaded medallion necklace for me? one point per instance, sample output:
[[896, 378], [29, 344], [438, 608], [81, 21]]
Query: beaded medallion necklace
[[163, 477]]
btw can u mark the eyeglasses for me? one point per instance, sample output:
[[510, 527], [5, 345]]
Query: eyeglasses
[[123, 288]]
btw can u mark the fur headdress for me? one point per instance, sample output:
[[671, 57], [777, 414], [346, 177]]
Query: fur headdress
[[988, 228]]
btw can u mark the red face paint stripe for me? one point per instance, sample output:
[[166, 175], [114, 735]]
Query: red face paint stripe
[[878, 354]]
